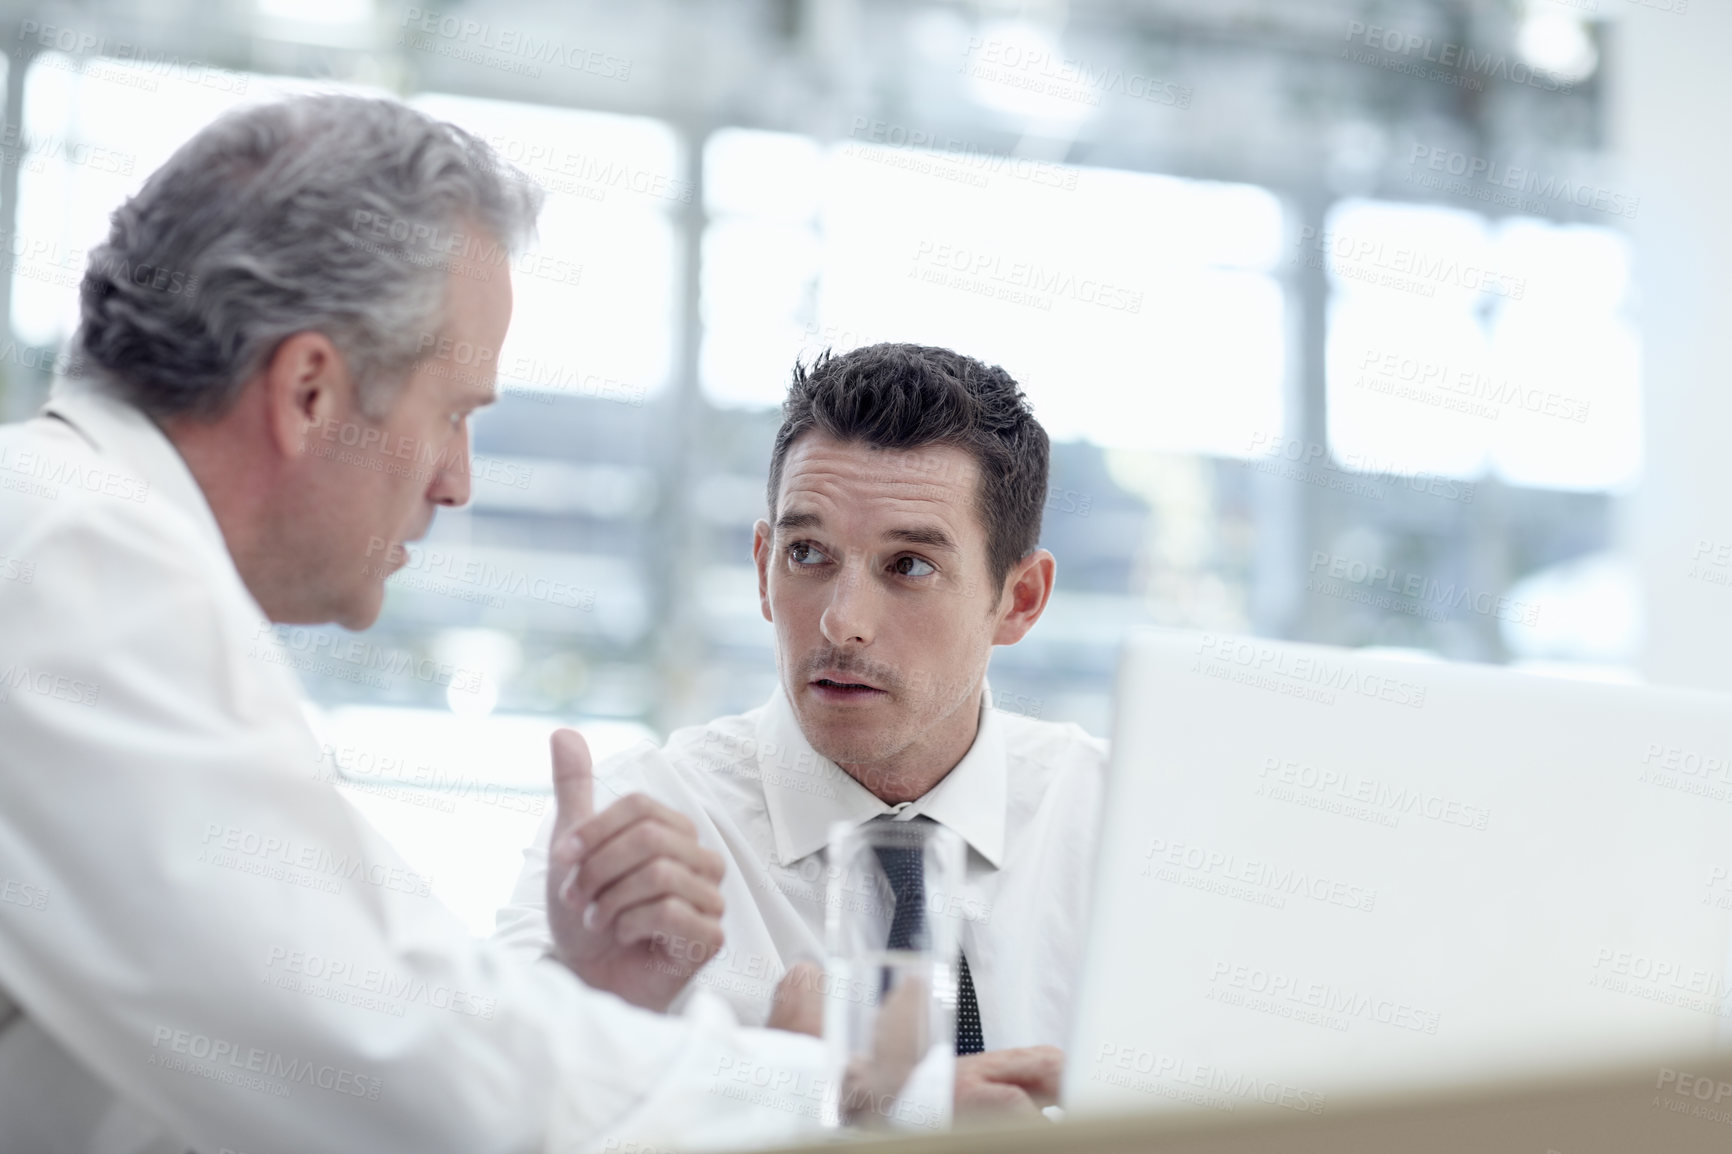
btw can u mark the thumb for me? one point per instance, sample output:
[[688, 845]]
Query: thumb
[[573, 781]]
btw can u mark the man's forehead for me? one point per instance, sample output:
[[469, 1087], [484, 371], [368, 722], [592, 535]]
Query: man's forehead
[[923, 497], [949, 471]]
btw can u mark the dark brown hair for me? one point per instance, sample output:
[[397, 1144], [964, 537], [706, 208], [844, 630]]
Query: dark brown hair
[[897, 396]]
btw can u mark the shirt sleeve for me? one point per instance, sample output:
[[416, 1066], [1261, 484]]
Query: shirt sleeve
[[520, 927], [218, 936]]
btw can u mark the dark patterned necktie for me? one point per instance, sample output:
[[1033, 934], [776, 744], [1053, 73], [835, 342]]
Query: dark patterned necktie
[[905, 870]]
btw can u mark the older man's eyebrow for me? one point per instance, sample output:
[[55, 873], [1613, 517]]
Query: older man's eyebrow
[[930, 536], [792, 521]]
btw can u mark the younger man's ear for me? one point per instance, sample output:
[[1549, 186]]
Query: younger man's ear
[[1028, 587]]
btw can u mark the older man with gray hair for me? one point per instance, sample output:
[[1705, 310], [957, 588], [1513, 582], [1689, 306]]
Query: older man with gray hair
[[201, 943]]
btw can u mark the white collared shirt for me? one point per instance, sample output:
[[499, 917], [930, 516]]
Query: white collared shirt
[[201, 942], [1025, 798]]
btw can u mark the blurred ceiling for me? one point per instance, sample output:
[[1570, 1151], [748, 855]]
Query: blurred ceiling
[[1331, 95]]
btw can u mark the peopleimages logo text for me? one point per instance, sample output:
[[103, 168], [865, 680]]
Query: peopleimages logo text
[[512, 42], [1516, 178], [1462, 58], [1322, 671]]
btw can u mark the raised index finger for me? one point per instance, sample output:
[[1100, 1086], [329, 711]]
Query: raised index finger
[[573, 780]]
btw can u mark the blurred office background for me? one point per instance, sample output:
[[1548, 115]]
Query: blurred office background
[[1372, 323]]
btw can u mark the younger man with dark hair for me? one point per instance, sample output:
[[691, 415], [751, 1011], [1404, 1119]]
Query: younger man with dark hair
[[904, 500]]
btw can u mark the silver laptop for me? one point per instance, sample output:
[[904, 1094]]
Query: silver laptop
[[1322, 874]]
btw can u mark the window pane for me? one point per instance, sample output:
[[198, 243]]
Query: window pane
[[1570, 350], [758, 282], [1394, 368], [1460, 349], [766, 174]]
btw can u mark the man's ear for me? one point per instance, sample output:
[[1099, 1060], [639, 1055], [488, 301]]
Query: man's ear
[[761, 539], [306, 388], [1027, 588]]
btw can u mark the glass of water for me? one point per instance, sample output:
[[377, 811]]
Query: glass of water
[[891, 973]]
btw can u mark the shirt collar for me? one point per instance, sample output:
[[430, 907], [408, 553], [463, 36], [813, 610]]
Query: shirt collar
[[802, 804], [123, 434]]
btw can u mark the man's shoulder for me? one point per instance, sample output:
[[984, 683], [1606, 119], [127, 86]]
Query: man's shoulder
[[53, 484], [34, 456], [1055, 768], [698, 756], [118, 590], [1052, 748], [1033, 732], [726, 742]]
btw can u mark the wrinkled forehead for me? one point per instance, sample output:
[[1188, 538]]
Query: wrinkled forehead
[[831, 478], [817, 462]]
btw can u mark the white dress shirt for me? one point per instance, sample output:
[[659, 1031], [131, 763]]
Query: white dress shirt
[[1025, 799], [203, 944]]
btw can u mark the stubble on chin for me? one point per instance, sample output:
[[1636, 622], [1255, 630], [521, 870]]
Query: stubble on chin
[[860, 755], [831, 740]]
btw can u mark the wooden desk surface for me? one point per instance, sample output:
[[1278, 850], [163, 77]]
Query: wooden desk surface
[[1675, 1107]]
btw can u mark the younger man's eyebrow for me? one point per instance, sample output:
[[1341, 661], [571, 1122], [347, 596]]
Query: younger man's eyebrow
[[930, 536], [799, 521]]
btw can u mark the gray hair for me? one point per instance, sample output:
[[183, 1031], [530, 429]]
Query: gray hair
[[336, 214]]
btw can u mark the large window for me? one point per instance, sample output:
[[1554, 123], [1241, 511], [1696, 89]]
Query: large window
[[1138, 311]]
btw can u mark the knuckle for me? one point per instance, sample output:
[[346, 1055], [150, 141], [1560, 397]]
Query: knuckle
[[592, 833], [639, 839]]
